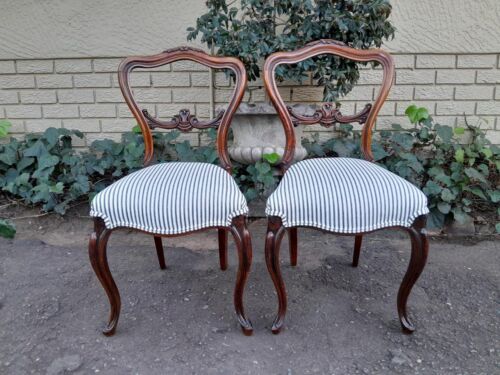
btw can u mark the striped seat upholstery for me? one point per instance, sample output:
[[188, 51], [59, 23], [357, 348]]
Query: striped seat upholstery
[[345, 195], [171, 198]]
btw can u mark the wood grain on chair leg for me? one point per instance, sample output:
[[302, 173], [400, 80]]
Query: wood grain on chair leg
[[293, 244], [244, 247], [159, 252], [357, 249], [275, 231], [97, 253], [419, 252], [223, 249]]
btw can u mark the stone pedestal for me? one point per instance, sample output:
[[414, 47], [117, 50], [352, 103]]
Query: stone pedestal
[[257, 130]]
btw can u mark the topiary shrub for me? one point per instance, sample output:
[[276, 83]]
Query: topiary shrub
[[258, 28]]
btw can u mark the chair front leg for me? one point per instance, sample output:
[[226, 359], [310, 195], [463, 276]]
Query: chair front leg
[[97, 254], [357, 249], [244, 246], [159, 252], [419, 252], [293, 244], [275, 231], [223, 248]]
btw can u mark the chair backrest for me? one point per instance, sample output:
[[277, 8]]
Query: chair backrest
[[184, 121], [328, 114]]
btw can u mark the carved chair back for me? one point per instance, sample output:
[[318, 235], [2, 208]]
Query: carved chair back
[[184, 121], [328, 115]]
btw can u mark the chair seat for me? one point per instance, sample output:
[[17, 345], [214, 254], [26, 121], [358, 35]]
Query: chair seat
[[171, 198], [345, 195]]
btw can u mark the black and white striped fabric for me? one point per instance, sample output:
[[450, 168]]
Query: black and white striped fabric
[[171, 198], [345, 195]]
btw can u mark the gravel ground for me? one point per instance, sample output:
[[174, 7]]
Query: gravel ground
[[341, 320]]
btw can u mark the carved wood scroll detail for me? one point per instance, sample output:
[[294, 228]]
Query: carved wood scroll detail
[[184, 121], [328, 115]]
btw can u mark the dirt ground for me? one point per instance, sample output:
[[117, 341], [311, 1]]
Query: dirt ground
[[341, 320]]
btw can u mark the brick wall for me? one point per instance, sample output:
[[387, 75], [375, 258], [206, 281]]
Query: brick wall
[[83, 93]]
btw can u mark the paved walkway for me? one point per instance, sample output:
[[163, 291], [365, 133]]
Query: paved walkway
[[341, 320]]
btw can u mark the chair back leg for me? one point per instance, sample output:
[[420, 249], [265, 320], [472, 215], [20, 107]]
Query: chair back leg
[[223, 248], [159, 252], [293, 245], [357, 249]]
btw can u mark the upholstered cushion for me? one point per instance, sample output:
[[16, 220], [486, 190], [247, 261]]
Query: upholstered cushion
[[345, 195], [171, 198]]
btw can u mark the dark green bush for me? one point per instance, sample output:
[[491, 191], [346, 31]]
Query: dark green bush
[[253, 29]]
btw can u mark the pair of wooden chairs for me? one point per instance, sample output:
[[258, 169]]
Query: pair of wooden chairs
[[338, 195]]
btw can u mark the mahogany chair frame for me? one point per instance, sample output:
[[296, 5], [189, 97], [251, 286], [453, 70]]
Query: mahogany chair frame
[[184, 121], [327, 116]]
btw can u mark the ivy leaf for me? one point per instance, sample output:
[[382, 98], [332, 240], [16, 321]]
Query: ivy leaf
[[52, 136], [435, 219], [411, 112], [487, 152], [475, 175], [38, 149], [444, 207], [459, 130], [4, 128], [460, 215], [7, 229], [494, 195], [57, 188], [416, 114], [476, 191], [47, 161], [272, 158], [459, 155], [447, 195], [431, 188], [444, 132], [263, 168], [24, 163]]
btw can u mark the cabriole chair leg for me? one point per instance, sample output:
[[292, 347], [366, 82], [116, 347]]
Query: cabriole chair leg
[[244, 247], [159, 252], [223, 249], [275, 231], [419, 252], [97, 254]]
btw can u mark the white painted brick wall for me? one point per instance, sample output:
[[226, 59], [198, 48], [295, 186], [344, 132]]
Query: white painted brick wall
[[84, 94]]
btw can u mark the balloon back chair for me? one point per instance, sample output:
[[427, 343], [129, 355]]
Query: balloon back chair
[[340, 195], [175, 198]]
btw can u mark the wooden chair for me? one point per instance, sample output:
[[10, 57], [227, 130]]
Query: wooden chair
[[175, 198], [340, 195]]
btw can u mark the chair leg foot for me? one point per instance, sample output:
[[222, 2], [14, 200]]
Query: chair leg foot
[[97, 254], [357, 249], [419, 252], [293, 244], [159, 252], [244, 247], [223, 249], [275, 231]]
